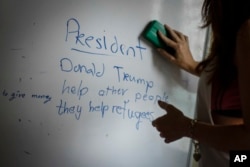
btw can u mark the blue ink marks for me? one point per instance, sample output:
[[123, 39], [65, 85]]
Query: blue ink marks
[[154, 98], [93, 53], [139, 116], [126, 112], [140, 48], [112, 91], [46, 98], [5, 93], [78, 90], [89, 43], [20, 95], [121, 110], [75, 25], [64, 109], [16, 95], [126, 77], [67, 65], [98, 108]]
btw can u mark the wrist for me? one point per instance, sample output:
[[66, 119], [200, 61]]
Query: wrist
[[191, 68], [193, 123], [191, 128]]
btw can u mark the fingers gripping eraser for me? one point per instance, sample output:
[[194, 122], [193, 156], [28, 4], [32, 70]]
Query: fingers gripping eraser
[[150, 33]]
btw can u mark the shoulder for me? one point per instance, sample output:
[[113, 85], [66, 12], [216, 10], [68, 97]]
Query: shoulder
[[243, 35], [242, 43], [244, 30]]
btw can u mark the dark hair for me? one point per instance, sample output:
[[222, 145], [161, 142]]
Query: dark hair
[[225, 18]]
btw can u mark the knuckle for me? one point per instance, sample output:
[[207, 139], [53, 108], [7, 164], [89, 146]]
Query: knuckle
[[178, 46]]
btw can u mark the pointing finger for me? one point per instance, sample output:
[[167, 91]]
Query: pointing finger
[[163, 105]]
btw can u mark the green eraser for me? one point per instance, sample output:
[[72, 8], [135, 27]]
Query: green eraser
[[150, 33]]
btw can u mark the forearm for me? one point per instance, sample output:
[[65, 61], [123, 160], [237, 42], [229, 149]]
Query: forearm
[[222, 137]]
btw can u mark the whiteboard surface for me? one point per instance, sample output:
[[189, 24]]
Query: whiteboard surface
[[79, 86]]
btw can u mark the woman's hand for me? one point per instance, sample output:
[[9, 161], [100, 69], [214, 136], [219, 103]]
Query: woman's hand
[[172, 126], [182, 56]]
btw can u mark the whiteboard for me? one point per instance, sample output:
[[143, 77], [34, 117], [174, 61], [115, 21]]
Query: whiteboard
[[79, 86]]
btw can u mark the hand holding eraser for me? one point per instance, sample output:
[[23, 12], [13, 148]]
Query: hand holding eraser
[[151, 35]]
